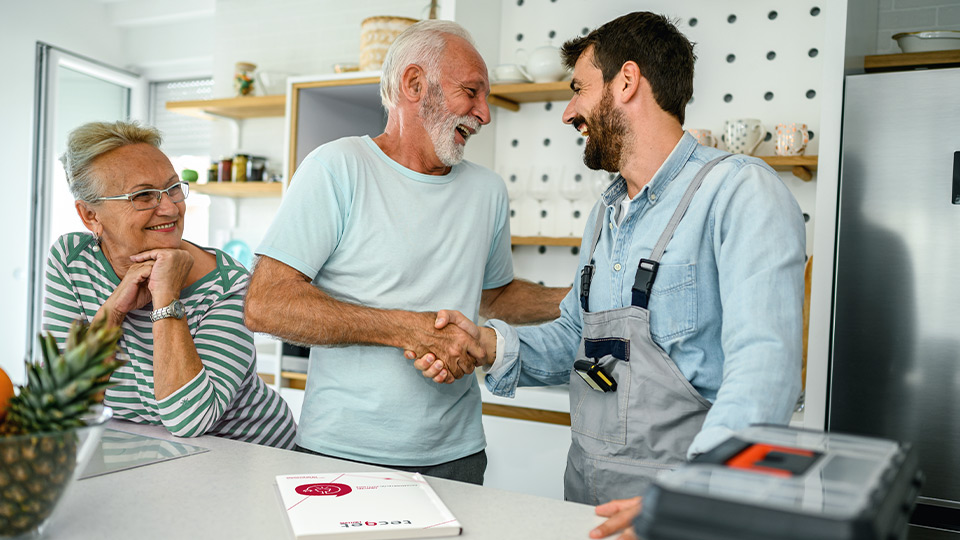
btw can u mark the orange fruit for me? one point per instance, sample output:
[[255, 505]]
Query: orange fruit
[[6, 392]]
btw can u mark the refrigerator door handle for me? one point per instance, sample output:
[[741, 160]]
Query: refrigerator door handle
[[956, 178]]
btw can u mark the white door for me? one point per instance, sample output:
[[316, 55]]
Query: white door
[[71, 90]]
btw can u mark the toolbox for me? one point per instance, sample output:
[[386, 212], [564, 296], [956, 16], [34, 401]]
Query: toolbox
[[781, 483]]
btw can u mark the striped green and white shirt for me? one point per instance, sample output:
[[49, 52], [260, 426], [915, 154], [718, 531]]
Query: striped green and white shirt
[[225, 399]]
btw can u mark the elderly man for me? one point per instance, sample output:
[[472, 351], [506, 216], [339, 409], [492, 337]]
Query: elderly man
[[685, 320], [374, 235]]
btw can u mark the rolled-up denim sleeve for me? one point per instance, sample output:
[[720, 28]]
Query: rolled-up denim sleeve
[[537, 355], [759, 242]]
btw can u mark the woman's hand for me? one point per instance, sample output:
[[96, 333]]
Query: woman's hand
[[131, 294], [169, 274]]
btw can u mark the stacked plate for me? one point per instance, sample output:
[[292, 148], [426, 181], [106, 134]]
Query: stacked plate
[[930, 40]]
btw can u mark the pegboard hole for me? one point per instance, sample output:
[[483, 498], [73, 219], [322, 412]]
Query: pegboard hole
[[691, 101], [815, 11], [728, 98], [552, 34], [731, 58], [519, 2], [772, 15], [513, 213], [693, 21], [575, 250], [732, 18], [768, 96], [513, 178], [542, 250], [812, 53], [577, 177], [806, 217], [545, 178], [811, 94], [584, 31], [579, 141], [576, 214], [771, 55], [548, 106], [546, 142], [768, 137], [519, 37], [543, 213], [514, 143], [810, 135]]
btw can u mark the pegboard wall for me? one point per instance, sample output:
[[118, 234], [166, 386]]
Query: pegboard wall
[[755, 59]]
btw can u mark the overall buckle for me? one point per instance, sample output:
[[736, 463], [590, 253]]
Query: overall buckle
[[643, 281]]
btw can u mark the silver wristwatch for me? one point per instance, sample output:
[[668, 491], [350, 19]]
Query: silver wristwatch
[[175, 310]]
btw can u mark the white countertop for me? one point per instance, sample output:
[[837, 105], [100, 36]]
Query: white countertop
[[229, 492]]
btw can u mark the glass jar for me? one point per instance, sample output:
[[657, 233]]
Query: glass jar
[[240, 168], [243, 78], [225, 170]]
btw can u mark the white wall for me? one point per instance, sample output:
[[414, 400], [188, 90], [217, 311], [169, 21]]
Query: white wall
[[80, 27]]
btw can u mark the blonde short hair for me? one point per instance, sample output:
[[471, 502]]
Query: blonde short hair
[[92, 140], [421, 44]]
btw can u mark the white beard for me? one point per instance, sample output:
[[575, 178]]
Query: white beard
[[441, 126]]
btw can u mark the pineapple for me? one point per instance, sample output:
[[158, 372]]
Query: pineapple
[[38, 445]]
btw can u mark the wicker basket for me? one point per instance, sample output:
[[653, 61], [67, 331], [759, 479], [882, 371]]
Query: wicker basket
[[376, 35]]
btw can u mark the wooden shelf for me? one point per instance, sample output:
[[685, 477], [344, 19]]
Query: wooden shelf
[[510, 96], [571, 241], [800, 166], [907, 61], [238, 108], [239, 190]]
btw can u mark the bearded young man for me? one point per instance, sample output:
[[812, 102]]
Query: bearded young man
[[376, 234], [690, 283]]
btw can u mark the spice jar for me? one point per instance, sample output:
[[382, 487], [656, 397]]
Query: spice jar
[[243, 78], [240, 168], [225, 170], [255, 168], [213, 172]]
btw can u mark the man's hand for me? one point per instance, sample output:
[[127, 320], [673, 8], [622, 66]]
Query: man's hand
[[621, 513], [456, 350], [436, 369]]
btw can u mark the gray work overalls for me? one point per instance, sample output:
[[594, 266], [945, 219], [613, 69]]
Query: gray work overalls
[[623, 439]]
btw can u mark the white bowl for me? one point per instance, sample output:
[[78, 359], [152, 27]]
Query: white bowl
[[926, 41]]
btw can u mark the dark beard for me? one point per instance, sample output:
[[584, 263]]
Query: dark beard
[[605, 144]]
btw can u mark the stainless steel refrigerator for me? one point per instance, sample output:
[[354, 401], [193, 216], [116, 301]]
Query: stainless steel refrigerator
[[895, 369]]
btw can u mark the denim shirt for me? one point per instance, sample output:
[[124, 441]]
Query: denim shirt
[[727, 302]]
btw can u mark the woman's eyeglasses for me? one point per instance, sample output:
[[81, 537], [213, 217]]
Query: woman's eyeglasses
[[148, 199]]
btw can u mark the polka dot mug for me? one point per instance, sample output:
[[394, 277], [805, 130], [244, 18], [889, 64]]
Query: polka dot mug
[[743, 136]]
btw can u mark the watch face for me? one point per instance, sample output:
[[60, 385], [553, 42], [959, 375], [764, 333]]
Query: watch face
[[177, 309]]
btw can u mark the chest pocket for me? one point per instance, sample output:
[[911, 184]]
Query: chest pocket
[[673, 302]]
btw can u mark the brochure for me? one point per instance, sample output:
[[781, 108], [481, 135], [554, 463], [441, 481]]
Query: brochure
[[389, 504]]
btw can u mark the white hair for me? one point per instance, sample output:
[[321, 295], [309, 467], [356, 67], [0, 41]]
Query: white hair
[[92, 140], [421, 44]]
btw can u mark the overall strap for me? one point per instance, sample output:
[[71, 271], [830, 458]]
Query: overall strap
[[647, 270], [586, 275]]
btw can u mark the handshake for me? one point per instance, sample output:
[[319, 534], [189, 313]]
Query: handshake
[[450, 346]]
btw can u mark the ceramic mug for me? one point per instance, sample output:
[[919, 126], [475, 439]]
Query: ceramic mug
[[743, 135], [704, 137], [792, 139], [509, 73]]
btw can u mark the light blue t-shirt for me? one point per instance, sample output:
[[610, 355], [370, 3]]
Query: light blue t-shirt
[[369, 231]]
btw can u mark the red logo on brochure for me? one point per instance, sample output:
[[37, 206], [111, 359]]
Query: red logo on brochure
[[336, 490]]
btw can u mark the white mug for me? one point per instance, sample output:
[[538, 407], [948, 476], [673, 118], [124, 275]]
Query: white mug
[[704, 137], [743, 135], [509, 73], [792, 139]]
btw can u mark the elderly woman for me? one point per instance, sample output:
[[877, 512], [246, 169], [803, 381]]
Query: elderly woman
[[190, 361]]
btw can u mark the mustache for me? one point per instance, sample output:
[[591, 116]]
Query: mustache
[[577, 122]]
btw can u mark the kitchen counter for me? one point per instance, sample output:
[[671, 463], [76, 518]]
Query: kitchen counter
[[229, 492]]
